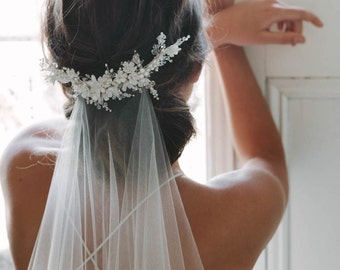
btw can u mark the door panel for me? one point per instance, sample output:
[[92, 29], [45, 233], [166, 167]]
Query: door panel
[[307, 112], [302, 86]]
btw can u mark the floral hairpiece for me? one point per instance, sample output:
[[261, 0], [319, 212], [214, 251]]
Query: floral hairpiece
[[131, 77]]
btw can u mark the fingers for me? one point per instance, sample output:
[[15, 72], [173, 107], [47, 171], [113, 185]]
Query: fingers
[[296, 26], [309, 17], [281, 26], [290, 26], [292, 13], [292, 38]]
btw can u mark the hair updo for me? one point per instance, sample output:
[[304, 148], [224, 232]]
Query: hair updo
[[87, 34]]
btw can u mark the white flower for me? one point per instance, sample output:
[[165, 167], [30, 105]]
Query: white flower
[[144, 82], [136, 59], [105, 80], [71, 74], [131, 77], [161, 38], [173, 50], [112, 92], [120, 76], [129, 67]]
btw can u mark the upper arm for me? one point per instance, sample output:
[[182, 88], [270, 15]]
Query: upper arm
[[25, 180], [252, 202]]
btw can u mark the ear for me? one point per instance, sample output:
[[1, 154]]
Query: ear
[[197, 70]]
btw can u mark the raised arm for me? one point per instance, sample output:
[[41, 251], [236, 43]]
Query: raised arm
[[256, 138], [252, 199]]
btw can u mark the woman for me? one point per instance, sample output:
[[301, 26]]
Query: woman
[[118, 198]]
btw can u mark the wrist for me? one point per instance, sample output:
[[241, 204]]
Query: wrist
[[218, 35], [220, 29], [225, 49], [228, 50], [215, 6]]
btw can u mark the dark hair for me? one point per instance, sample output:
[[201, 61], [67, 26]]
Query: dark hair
[[87, 34]]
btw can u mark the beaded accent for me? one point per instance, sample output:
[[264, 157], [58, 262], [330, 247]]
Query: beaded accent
[[132, 77]]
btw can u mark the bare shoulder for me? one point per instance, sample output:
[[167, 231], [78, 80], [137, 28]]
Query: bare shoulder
[[33, 146], [30, 157], [234, 215], [26, 168]]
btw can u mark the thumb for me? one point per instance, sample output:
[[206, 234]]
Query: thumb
[[281, 38]]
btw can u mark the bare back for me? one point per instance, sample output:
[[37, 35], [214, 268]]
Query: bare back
[[232, 216]]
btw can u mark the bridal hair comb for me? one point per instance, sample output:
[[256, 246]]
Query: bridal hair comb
[[130, 78]]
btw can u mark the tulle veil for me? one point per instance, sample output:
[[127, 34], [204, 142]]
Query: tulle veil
[[113, 201]]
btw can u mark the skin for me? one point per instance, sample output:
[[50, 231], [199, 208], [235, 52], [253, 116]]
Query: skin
[[251, 23], [241, 209], [224, 199], [26, 172]]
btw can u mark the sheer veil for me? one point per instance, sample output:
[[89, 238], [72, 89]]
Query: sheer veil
[[114, 202]]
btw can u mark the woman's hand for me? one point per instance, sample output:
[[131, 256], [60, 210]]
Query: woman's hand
[[252, 23]]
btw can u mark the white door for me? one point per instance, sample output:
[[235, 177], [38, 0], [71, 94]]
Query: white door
[[302, 86]]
